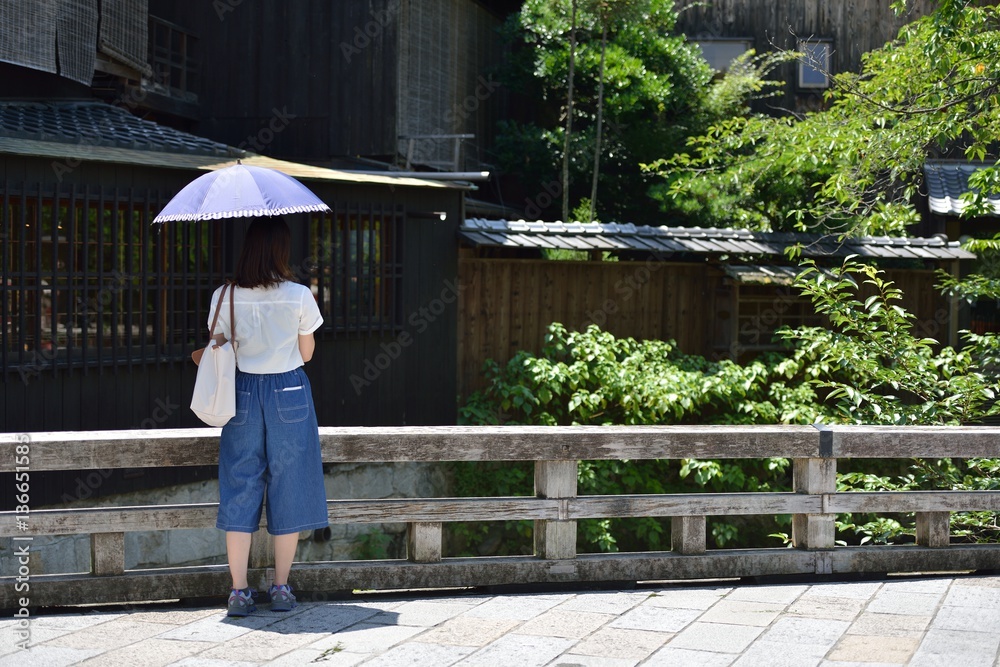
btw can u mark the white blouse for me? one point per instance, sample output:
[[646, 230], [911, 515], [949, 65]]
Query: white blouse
[[268, 323]]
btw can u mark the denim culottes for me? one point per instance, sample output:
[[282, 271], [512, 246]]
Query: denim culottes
[[272, 445]]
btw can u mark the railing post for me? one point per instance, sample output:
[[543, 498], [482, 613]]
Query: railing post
[[423, 542], [687, 534], [556, 539], [933, 529], [262, 558], [814, 476], [107, 553]]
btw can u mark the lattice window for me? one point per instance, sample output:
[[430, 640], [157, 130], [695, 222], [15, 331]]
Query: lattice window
[[355, 268], [763, 309], [87, 281]]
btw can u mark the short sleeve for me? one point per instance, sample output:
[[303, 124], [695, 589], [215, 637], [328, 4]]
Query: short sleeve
[[310, 318]]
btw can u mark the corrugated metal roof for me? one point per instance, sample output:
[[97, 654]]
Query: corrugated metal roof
[[98, 132], [947, 181], [700, 240]]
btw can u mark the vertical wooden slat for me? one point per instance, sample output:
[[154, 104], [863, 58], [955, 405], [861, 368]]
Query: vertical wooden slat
[[556, 539], [423, 542], [687, 534], [814, 476], [107, 553], [933, 529]]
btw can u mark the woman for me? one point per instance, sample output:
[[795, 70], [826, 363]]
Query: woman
[[272, 444]]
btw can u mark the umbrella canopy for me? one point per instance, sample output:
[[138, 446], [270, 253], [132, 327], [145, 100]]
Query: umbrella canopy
[[240, 191]]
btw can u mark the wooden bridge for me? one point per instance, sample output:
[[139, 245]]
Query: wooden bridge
[[555, 508]]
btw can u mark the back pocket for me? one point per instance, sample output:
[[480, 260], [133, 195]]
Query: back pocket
[[293, 404]]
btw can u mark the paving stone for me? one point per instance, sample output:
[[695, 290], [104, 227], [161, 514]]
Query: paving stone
[[307, 656], [966, 618], [938, 585], [416, 654], [420, 613], [46, 628], [739, 612], [889, 601], [656, 619], [219, 628], [604, 603], [889, 625], [979, 597], [198, 661], [670, 656], [558, 623], [806, 631], [172, 616], [869, 648], [47, 656], [152, 652], [718, 637], [265, 644], [686, 598], [841, 609], [517, 607], [622, 643], [574, 660], [854, 590], [468, 631], [324, 618], [781, 654], [367, 638], [516, 649], [779, 594], [951, 647], [838, 663], [119, 632]]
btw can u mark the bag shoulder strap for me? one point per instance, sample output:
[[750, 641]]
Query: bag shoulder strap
[[218, 307], [232, 314]]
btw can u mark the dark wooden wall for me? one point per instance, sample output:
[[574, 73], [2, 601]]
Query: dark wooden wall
[[335, 90], [508, 304], [418, 387], [855, 26], [311, 81]]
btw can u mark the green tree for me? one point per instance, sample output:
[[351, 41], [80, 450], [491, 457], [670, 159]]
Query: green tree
[[856, 166], [655, 85]]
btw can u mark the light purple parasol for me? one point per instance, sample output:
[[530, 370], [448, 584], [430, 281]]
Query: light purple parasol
[[240, 191]]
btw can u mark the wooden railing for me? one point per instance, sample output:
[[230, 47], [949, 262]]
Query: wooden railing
[[555, 508]]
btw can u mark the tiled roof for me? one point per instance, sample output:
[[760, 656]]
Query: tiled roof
[[100, 124], [697, 240], [98, 132], [947, 181]]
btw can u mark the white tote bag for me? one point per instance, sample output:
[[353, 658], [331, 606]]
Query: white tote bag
[[214, 397]]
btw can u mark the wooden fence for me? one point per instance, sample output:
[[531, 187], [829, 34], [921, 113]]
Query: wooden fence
[[555, 508]]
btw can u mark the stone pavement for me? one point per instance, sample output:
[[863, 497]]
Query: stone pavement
[[916, 621]]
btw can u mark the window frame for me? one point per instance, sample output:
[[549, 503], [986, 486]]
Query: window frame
[[807, 47]]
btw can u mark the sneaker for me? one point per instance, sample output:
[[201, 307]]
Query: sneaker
[[282, 598], [240, 602]]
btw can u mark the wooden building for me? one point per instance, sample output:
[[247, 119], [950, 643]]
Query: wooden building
[[833, 35], [719, 293]]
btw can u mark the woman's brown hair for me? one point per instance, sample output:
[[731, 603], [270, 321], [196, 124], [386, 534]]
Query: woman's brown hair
[[266, 248]]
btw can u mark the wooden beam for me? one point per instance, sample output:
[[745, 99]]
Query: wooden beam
[[556, 538], [687, 535], [423, 542], [814, 476], [107, 553]]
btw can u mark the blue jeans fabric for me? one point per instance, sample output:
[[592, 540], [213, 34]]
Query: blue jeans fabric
[[272, 445]]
